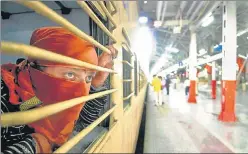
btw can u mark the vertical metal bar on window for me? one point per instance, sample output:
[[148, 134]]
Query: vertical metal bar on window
[[135, 76]]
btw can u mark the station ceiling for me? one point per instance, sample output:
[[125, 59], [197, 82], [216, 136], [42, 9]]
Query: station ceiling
[[194, 11]]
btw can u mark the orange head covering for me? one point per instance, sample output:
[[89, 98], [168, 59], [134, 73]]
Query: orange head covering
[[61, 41], [28, 82]]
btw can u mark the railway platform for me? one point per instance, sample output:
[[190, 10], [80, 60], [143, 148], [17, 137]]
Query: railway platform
[[180, 127]]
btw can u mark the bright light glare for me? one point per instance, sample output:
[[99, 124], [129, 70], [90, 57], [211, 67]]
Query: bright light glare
[[241, 56], [242, 32], [208, 21], [171, 49], [157, 24], [142, 45], [145, 2], [143, 20], [202, 52], [206, 56]]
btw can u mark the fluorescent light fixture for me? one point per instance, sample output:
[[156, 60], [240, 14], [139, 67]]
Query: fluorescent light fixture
[[241, 56], [208, 21], [143, 20], [177, 30], [157, 23], [210, 14], [171, 49], [145, 2], [242, 32], [202, 52]]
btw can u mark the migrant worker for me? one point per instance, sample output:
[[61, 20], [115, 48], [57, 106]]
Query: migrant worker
[[44, 82], [156, 83]]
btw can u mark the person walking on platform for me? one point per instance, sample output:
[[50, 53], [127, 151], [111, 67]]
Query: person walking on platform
[[186, 86], [167, 85], [156, 83], [162, 89]]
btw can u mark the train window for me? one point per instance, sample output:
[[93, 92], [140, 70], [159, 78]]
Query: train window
[[79, 18], [103, 103], [135, 76], [127, 70], [139, 78], [142, 79], [102, 38]]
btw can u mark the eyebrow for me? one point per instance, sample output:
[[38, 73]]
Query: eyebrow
[[91, 71]]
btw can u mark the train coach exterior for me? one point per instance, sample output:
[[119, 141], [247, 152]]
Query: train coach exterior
[[110, 21]]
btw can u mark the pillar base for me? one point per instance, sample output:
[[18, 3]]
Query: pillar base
[[227, 117], [213, 89], [228, 101], [192, 92]]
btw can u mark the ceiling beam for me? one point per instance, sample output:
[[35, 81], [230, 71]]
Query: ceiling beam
[[181, 8], [175, 23]]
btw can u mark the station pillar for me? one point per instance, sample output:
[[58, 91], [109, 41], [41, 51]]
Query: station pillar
[[213, 80], [229, 49], [192, 68]]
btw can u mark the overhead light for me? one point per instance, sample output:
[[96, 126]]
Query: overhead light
[[145, 2], [157, 23], [143, 20], [237, 46], [210, 14], [208, 21], [202, 52], [177, 30], [171, 49], [242, 32], [241, 56]]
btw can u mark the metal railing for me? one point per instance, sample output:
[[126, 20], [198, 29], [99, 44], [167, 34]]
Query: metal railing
[[87, 9], [44, 10], [105, 10]]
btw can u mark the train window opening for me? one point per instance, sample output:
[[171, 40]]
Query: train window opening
[[135, 76], [102, 38], [127, 72], [22, 33], [101, 104]]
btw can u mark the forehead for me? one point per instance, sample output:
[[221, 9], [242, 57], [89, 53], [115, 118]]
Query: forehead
[[66, 68]]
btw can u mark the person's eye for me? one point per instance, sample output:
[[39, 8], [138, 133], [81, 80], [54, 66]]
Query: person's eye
[[70, 76], [88, 79]]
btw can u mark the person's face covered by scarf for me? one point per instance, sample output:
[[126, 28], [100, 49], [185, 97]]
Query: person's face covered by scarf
[[54, 82]]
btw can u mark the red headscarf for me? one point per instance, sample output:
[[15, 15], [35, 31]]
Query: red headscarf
[[25, 82]]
